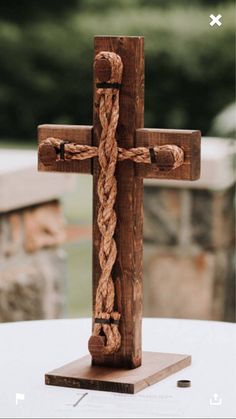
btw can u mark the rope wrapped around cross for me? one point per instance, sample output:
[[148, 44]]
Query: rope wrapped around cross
[[106, 337]]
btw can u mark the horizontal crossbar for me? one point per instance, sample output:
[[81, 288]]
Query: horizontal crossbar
[[162, 154], [166, 157]]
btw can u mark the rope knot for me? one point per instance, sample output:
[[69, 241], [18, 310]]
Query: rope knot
[[108, 68]]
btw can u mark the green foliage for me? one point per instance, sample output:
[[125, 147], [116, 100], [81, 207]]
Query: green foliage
[[28, 10], [46, 65]]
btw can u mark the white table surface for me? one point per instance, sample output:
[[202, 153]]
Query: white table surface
[[29, 349]]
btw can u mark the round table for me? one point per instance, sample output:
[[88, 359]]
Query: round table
[[30, 349]]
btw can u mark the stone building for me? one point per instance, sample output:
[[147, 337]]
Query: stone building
[[32, 263], [189, 240]]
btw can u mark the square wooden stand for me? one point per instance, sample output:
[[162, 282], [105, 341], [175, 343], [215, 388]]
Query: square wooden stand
[[80, 374]]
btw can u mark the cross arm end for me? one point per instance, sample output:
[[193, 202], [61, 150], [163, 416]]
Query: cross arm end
[[48, 151], [189, 141]]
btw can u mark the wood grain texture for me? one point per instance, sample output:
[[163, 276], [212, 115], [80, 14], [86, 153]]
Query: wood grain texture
[[79, 134], [47, 154], [102, 70], [155, 367], [127, 272], [189, 141]]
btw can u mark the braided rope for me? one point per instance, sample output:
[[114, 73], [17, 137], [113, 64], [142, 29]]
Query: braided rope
[[138, 155], [107, 190]]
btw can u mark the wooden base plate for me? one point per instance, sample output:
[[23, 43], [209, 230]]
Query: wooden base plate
[[80, 374]]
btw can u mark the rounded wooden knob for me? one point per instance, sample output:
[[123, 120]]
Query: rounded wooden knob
[[96, 346], [47, 154], [102, 68], [165, 160]]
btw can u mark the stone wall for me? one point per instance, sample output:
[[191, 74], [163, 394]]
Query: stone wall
[[189, 249], [32, 265]]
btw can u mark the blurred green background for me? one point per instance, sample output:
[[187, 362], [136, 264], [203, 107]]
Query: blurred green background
[[46, 53]]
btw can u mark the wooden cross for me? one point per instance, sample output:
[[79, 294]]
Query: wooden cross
[[127, 272]]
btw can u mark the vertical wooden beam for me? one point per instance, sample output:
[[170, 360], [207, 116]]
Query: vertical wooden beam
[[127, 272]]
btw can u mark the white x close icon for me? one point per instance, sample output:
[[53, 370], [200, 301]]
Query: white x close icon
[[215, 20]]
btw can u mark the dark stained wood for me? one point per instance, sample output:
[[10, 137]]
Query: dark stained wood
[[102, 69], [96, 345], [167, 157], [127, 272], [79, 134], [165, 160], [155, 367], [47, 154], [189, 141]]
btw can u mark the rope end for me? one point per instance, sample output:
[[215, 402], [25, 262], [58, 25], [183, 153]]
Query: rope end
[[103, 69], [96, 346], [166, 157], [47, 154]]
